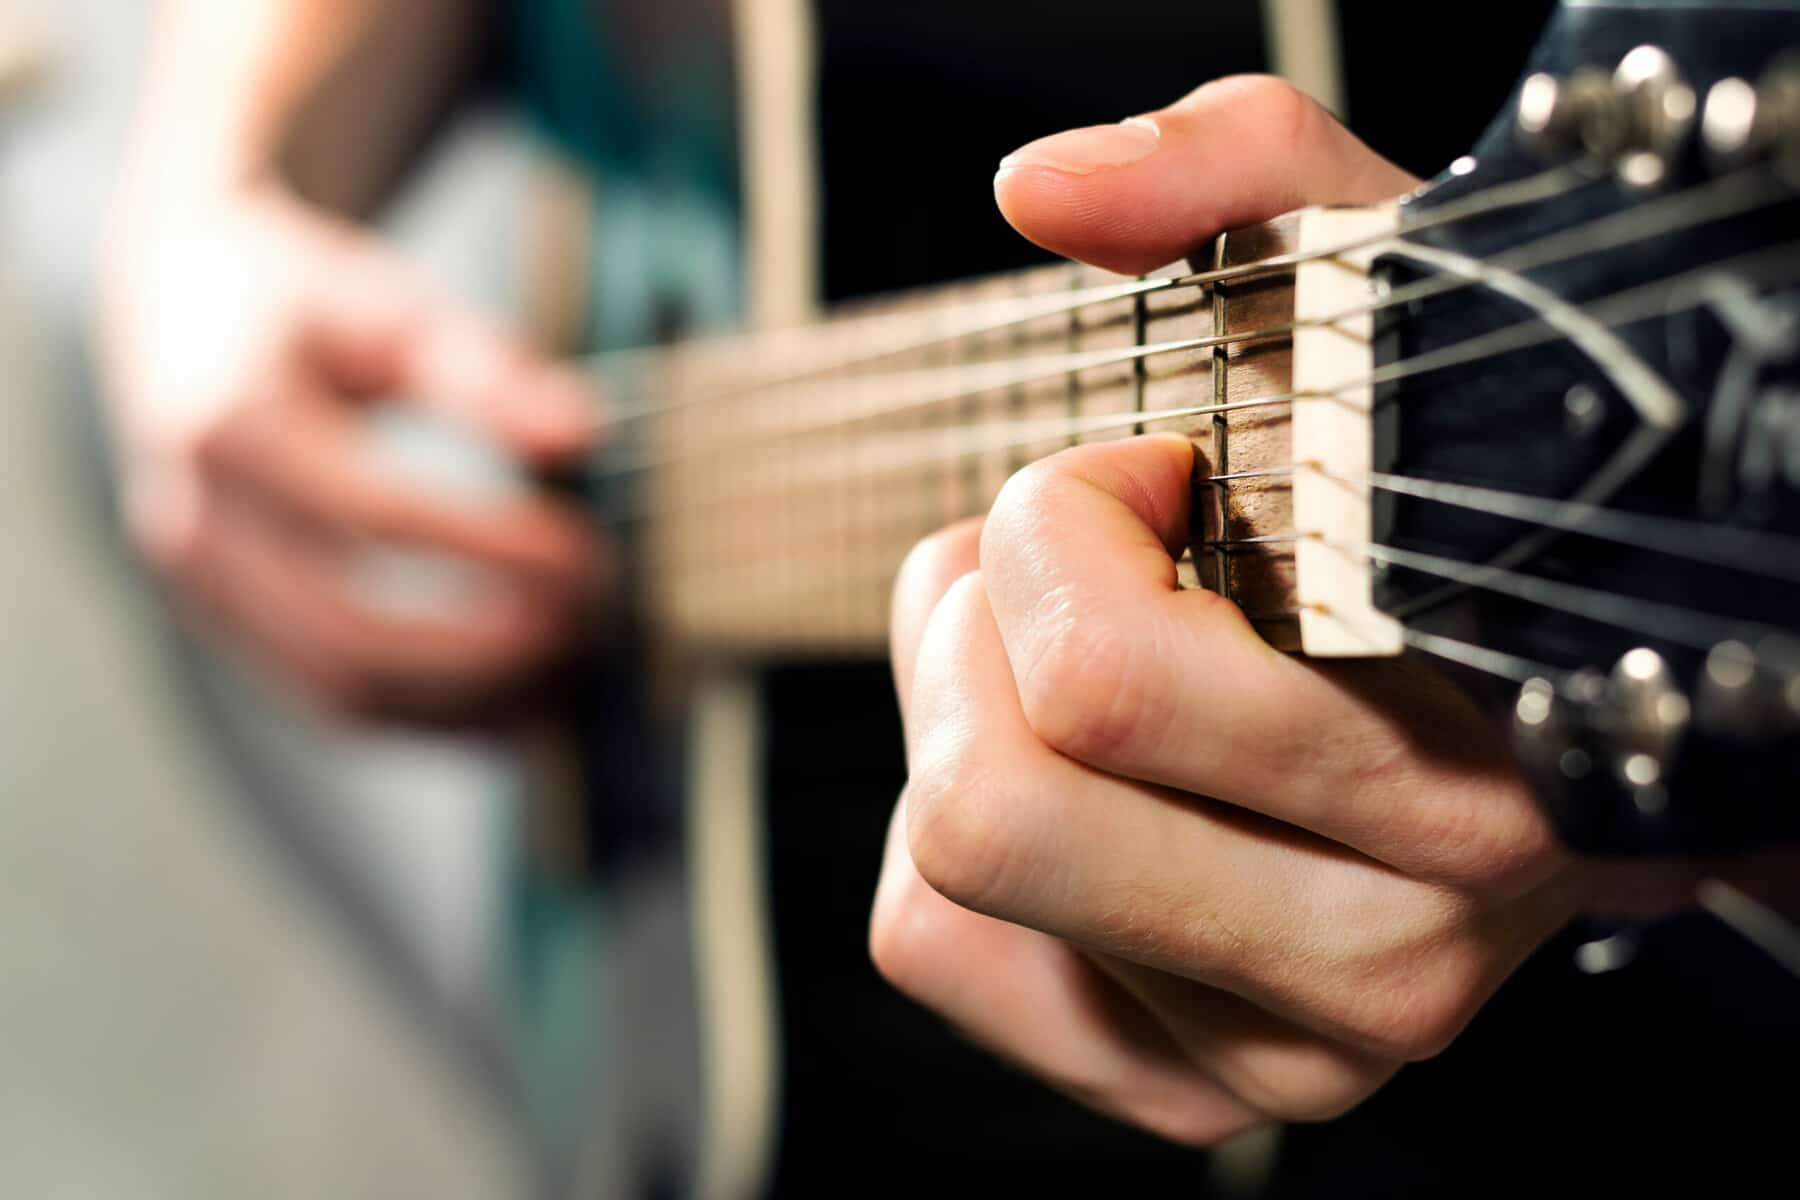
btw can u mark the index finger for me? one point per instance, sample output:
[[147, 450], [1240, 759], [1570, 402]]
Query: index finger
[[1120, 668]]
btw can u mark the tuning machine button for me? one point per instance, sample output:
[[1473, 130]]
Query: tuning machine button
[[1636, 118], [1567, 116], [1744, 123], [1550, 730], [1645, 717], [1660, 109], [1750, 694]]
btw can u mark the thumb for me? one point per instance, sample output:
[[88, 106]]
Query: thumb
[[381, 332], [1134, 196]]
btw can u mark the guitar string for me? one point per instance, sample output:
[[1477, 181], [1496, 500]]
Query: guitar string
[[1499, 663], [782, 581], [1009, 375], [778, 581], [1672, 623], [919, 388], [1766, 555], [1659, 298], [1678, 624], [982, 317], [1763, 927]]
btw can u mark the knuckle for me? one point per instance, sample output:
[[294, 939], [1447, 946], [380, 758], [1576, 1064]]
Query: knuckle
[[1187, 1124], [906, 939], [1318, 1084], [1417, 1015], [1076, 689], [1277, 105], [1077, 685], [1485, 841], [1500, 855], [958, 831], [1022, 515], [165, 520], [933, 564]]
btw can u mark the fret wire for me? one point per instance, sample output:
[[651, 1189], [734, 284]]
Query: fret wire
[[1259, 473], [933, 355], [1015, 395], [1140, 320], [971, 485], [1221, 363], [1261, 539], [1073, 384]]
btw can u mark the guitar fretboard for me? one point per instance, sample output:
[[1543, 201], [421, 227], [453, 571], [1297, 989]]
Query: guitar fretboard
[[779, 479]]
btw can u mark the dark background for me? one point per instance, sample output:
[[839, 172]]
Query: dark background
[[920, 100], [1563, 1080]]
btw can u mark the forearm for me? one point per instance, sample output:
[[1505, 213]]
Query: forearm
[[321, 98]]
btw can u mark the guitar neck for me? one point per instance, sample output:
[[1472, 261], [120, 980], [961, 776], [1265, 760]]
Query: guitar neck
[[778, 479]]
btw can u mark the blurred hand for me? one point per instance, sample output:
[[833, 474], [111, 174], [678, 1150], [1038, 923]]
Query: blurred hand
[[1192, 881], [244, 343]]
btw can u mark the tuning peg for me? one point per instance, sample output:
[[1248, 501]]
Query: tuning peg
[[1549, 729], [1750, 695], [1743, 123], [1660, 111], [1644, 718], [1561, 117], [1636, 118]]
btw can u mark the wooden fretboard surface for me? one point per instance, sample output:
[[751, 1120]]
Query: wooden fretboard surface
[[785, 475]]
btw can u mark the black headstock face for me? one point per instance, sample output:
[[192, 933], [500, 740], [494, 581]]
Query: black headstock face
[[1646, 623]]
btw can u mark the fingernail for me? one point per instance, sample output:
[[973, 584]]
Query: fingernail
[[1084, 151]]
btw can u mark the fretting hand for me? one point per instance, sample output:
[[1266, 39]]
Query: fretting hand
[[1191, 880]]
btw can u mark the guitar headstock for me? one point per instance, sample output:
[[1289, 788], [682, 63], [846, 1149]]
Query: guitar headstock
[[1587, 461]]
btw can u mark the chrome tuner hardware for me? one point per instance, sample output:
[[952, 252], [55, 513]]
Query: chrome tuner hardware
[[1636, 118], [1563, 117], [1626, 726], [1644, 720], [1550, 731], [1750, 694], [1744, 123]]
